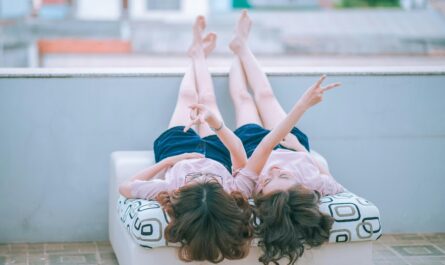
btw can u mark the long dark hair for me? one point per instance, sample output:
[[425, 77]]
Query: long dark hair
[[209, 223], [290, 221]]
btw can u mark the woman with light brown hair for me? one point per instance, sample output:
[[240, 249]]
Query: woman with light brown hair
[[192, 176], [290, 179]]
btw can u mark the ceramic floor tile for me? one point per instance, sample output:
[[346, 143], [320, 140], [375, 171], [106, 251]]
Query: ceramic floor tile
[[390, 249], [418, 250], [71, 259]]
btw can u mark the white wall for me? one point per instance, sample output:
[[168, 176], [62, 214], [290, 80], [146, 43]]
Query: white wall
[[188, 11], [383, 134], [99, 9], [14, 8]]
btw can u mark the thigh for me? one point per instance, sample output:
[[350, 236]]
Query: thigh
[[181, 114], [246, 112], [270, 110], [187, 96], [175, 141]]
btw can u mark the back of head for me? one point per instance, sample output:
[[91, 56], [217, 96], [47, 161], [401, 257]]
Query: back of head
[[209, 223], [290, 221]]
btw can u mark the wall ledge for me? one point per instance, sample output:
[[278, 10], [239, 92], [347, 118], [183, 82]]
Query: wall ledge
[[168, 72]]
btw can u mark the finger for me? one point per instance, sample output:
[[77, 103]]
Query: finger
[[201, 119], [322, 78], [197, 106], [188, 126], [194, 114], [330, 86]]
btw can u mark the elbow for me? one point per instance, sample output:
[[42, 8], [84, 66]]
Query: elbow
[[125, 189], [240, 147]]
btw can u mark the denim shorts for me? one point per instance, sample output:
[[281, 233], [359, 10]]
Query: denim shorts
[[175, 141], [251, 135]]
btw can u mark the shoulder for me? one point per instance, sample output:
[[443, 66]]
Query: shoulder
[[143, 189]]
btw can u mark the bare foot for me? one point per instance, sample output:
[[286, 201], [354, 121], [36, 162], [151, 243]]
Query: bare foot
[[242, 30], [209, 43], [198, 28], [243, 25]]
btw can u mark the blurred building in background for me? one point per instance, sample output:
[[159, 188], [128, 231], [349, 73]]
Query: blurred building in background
[[84, 33]]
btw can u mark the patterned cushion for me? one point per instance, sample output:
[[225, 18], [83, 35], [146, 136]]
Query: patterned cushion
[[356, 219]]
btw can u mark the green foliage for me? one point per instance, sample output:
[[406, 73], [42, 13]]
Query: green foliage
[[368, 3], [241, 4]]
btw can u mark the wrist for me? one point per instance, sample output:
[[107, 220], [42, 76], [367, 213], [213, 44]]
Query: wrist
[[215, 124], [217, 128], [302, 105]]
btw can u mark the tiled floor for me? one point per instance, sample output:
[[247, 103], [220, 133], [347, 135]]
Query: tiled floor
[[85, 253], [407, 249], [410, 249]]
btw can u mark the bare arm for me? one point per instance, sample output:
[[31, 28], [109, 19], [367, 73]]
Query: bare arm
[[228, 138], [234, 145], [149, 173], [261, 154], [312, 96]]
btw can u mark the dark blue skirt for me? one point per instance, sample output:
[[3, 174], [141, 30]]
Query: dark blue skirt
[[175, 141], [251, 135]]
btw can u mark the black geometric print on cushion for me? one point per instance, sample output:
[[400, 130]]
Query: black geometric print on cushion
[[326, 199], [341, 238], [126, 214], [344, 212], [363, 228], [379, 237], [343, 195], [375, 222], [145, 246], [137, 224], [255, 220], [147, 230], [149, 205], [157, 230], [364, 202], [167, 219], [341, 235], [133, 208]]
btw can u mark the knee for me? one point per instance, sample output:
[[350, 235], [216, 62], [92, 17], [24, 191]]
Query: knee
[[265, 94], [207, 99], [243, 98], [188, 95]]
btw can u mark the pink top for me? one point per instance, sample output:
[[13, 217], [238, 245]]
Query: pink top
[[182, 172], [304, 168]]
